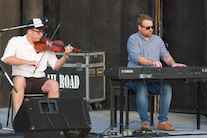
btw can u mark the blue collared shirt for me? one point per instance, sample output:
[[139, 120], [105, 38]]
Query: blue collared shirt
[[137, 46]]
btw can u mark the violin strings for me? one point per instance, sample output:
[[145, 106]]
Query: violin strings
[[49, 43]]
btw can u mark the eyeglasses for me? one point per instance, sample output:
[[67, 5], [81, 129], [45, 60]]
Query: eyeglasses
[[39, 32], [147, 28]]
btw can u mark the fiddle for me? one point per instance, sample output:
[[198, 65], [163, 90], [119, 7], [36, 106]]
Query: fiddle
[[54, 46]]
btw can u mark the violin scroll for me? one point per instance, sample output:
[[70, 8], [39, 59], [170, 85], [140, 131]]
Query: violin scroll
[[77, 50]]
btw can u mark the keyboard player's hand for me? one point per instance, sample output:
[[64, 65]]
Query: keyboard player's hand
[[157, 63], [179, 65]]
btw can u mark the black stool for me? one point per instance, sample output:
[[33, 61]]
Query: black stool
[[129, 92]]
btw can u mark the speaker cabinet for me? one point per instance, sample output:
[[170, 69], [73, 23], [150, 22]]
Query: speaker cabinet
[[69, 115]]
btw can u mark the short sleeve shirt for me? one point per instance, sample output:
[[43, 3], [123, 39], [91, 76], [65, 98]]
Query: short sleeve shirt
[[19, 47]]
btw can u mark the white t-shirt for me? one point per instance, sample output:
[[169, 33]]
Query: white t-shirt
[[22, 49]]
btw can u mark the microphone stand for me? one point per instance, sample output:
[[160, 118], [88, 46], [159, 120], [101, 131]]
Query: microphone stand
[[8, 78], [1, 66]]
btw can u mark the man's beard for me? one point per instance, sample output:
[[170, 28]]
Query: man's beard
[[148, 34]]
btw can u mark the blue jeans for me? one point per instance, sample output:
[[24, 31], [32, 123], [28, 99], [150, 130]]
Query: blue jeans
[[162, 88]]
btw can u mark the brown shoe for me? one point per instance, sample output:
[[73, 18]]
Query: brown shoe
[[165, 126], [11, 126], [145, 126]]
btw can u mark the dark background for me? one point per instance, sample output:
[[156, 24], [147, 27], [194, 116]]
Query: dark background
[[105, 25]]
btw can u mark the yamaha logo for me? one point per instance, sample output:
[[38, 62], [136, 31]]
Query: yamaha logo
[[127, 71]]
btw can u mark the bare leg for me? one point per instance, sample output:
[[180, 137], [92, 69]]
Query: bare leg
[[20, 84], [52, 88]]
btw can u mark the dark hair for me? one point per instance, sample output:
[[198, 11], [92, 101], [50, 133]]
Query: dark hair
[[143, 17]]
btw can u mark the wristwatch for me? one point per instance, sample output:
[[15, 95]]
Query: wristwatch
[[66, 57]]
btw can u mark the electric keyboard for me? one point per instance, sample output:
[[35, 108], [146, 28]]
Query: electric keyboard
[[189, 74], [156, 73]]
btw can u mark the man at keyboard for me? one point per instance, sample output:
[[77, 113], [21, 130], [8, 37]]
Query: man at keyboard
[[145, 50]]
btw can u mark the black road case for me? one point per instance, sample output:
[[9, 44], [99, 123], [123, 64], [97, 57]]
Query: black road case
[[82, 76]]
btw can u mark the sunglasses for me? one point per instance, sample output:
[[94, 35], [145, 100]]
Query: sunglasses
[[39, 32], [147, 28]]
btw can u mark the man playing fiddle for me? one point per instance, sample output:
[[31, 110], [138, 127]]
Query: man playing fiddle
[[27, 68]]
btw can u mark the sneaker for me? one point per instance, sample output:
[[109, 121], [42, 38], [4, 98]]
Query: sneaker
[[165, 126], [145, 126]]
